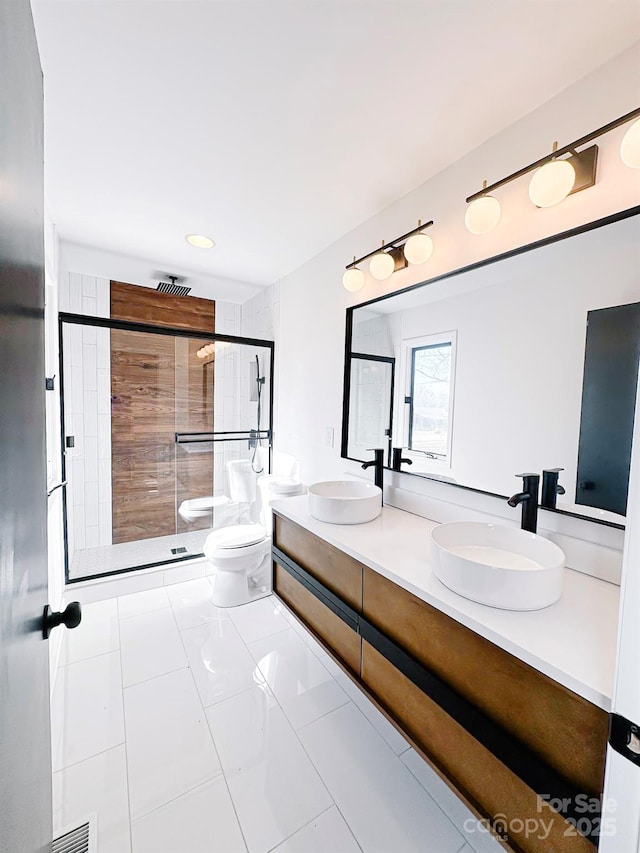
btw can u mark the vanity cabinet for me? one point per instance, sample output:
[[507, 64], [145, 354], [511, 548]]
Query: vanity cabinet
[[338, 573], [459, 699]]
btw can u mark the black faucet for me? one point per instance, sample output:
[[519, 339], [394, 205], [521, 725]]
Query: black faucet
[[528, 497], [398, 460], [550, 487], [378, 462]]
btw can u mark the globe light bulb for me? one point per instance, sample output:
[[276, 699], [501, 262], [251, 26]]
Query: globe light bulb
[[630, 146], [552, 183], [353, 279], [483, 214], [381, 266], [418, 249]]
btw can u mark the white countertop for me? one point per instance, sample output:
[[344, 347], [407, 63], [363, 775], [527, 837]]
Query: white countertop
[[573, 641]]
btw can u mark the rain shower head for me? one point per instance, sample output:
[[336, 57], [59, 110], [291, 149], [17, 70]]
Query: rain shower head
[[172, 287]]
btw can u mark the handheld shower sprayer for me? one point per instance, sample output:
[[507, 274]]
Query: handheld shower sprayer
[[255, 396]]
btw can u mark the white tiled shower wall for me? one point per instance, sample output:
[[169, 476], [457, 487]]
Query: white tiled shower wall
[[87, 353]]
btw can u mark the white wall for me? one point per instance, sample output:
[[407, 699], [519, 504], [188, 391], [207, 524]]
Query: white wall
[[310, 343]]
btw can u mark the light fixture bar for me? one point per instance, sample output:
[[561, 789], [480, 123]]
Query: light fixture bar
[[392, 244], [568, 149]]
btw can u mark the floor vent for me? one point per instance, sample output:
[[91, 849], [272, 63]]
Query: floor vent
[[76, 840], [172, 288]]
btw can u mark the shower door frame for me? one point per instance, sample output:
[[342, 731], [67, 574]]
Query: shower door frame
[[169, 331]]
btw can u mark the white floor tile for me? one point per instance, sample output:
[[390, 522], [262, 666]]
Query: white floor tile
[[259, 619], [169, 746], [150, 646], [201, 821], [97, 785], [274, 787], [96, 634], [221, 665], [143, 602], [476, 835], [385, 806], [327, 833], [86, 711], [305, 635], [192, 604], [301, 684], [380, 723]]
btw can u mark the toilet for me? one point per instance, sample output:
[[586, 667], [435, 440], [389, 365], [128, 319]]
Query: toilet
[[241, 553]]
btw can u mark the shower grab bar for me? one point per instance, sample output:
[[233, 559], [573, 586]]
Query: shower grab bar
[[228, 435], [57, 486]]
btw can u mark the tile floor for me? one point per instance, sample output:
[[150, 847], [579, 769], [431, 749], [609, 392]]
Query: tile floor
[[184, 728]]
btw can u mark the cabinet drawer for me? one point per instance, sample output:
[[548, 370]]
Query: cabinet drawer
[[473, 771], [336, 570], [565, 730], [330, 629]]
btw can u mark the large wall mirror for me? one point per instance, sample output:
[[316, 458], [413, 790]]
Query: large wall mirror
[[528, 362]]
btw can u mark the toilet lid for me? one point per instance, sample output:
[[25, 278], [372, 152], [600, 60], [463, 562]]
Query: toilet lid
[[236, 536], [285, 486]]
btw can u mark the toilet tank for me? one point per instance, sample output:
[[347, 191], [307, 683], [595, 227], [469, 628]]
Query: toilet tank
[[242, 481]]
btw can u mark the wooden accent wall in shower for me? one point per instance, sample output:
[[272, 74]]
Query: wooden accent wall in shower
[[158, 387]]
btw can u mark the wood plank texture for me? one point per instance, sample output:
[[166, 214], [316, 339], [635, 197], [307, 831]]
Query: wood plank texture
[[144, 305], [337, 570], [158, 387], [344, 642], [564, 729], [471, 769]]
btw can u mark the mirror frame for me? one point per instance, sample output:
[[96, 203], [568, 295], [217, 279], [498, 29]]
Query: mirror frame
[[520, 250]]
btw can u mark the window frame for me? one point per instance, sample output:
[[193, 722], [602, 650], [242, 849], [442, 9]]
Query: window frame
[[410, 346]]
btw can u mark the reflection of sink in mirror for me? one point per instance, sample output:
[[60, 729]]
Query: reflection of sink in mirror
[[345, 501], [592, 512], [497, 565], [438, 369]]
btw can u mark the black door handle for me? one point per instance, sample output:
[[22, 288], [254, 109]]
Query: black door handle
[[71, 616]]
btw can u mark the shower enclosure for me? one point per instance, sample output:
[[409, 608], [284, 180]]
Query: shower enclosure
[[156, 424]]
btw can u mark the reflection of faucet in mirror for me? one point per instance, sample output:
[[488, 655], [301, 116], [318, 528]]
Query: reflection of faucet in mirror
[[528, 497], [398, 459], [550, 487], [378, 462]]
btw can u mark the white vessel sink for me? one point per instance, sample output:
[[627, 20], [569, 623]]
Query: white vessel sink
[[500, 566], [345, 501]]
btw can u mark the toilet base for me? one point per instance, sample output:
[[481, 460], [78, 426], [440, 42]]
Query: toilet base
[[231, 589]]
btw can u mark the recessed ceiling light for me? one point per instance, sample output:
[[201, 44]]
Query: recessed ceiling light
[[199, 241]]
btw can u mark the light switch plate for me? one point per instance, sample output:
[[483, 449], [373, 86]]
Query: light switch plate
[[328, 436]]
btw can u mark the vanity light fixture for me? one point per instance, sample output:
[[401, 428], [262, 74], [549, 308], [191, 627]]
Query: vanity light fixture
[[567, 170], [483, 214], [382, 264], [353, 278], [630, 146], [391, 257], [199, 241], [419, 247], [552, 182]]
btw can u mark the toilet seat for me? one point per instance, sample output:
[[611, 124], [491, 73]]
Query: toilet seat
[[235, 542]]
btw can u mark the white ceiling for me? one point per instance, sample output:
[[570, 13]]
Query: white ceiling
[[275, 127]]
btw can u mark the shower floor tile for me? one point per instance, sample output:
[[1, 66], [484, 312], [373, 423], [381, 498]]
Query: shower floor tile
[[106, 559]]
